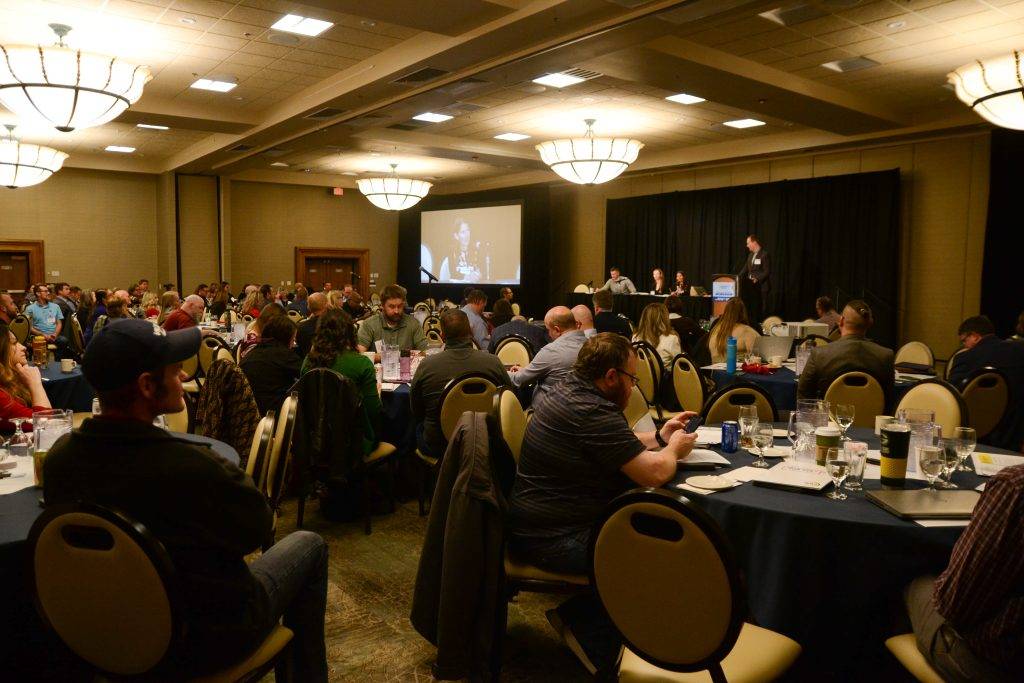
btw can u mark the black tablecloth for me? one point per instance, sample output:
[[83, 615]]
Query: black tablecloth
[[828, 574], [632, 305], [67, 390]]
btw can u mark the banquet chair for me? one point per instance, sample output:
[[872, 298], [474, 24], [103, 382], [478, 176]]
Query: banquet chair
[[687, 383], [375, 299], [294, 315], [514, 350], [724, 404], [649, 371], [259, 453], [106, 586], [209, 351], [247, 319], [515, 309], [668, 578], [917, 353], [636, 409], [422, 306], [770, 322], [860, 390], [816, 340], [229, 317], [226, 409], [581, 289], [21, 328], [511, 420], [986, 392], [180, 421], [280, 454], [904, 649], [940, 396], [190, 367], [77, 337], [434, 336], [951, 361]]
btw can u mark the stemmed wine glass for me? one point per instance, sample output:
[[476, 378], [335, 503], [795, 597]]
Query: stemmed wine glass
[[966, 441], [21, 441], [838, 466], [763, 437], [843, 414], [950, 459], [932, 462]]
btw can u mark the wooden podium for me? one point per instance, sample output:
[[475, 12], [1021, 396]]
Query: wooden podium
[[723, 288]]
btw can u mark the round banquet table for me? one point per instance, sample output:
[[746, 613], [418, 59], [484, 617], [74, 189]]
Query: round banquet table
[[781, 385], [396, 419], [632, 305], [67, 390], [828, 574]]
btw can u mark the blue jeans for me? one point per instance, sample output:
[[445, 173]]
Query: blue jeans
[[294, 574]]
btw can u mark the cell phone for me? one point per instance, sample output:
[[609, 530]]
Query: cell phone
[[692, 425]]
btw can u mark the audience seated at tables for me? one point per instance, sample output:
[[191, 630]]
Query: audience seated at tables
[[151, 305], [205, 510], [271, 366], [476, 302], [686, 327], [732, 323], [826, 311], [252, 336], [501, 313], [68, 307], [984, 349], [21, 385], [219, 303], [116, 309], [552, 363], [434, 372], [99, 310], [315, 305], [655, 328], [299, 303], [851, 352], [392, 325], [187, 314], [253, 303], [170, 301], [617, 283], [584, 320], [334, 347], [535, 334], [354, 306], [44, 316], [606, 320], [8, 311], [578, 454], [335, 299], [969, 622]]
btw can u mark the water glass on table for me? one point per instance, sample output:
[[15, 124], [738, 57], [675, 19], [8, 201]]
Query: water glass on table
[[932, 461], [843, 415], [748, 423], [763, 437], [966, 442], [857, 453], [838, 467], [950, 460]]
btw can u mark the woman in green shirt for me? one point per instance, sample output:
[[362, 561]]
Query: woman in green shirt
[[334, 347]]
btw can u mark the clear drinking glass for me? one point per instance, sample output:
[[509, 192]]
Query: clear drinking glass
[[802, 354], [843, 415], [950, 460], [857, 453], [838, 467], [932, 462], [763, 438], [966, 441], [800, 433], [21, 441], [748, 422]]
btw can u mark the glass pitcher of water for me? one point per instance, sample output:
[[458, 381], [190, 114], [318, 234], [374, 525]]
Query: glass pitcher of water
[[47, 427], [923, 430], [801, 434], [391, 359]]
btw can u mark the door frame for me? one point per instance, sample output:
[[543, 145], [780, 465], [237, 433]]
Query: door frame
[[361, 256], [34, 249]]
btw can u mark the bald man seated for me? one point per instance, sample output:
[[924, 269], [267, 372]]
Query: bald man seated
[[584, 320], [556, 359], [851, 352]]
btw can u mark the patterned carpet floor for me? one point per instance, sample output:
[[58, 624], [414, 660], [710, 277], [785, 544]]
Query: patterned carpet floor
[[369, 637]]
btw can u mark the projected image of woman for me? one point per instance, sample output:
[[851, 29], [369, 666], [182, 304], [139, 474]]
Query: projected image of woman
[[465, 261]]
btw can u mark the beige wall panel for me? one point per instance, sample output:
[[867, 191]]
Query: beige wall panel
[[198, 230], [166, 254], [751, 174], [977, 218], [718, 176], [836, 164], [97, 226], [268, 221], [792, 168], [647, 184], [589, 240]]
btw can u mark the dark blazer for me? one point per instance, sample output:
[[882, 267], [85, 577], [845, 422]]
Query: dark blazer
[[761, 271], [1008, 356], [847, 354], [610, 321], [304, 336]]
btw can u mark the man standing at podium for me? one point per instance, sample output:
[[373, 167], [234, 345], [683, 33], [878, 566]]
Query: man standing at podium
[[755, 280]]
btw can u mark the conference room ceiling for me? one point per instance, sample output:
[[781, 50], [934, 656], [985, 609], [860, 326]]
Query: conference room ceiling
[[341, 104]]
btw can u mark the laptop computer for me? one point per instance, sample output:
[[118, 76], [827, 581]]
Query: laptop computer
[[925, 504]]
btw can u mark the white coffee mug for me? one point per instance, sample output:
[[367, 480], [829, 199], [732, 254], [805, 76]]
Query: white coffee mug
[[776, 360], [67, 365], [881, 421]]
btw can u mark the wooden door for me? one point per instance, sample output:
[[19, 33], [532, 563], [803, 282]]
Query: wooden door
[[14, 274], [315, 266]]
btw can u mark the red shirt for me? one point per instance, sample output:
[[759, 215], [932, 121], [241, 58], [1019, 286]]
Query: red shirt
[[10, 406], [981, 593], [178, 320]]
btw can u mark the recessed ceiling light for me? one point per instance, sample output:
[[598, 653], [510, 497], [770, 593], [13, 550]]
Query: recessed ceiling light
[[683, 98], [558, 80], [743, 123], [852, 64], [304, 26], [511, 137], [151, 126], [431, 117], [119, 148], [896, 24], [188, 20], [374, 154], [349, 173], [307, 170], [280, 164], [214, 85]]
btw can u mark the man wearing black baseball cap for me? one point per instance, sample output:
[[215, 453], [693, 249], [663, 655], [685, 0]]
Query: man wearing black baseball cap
[[203, 508]]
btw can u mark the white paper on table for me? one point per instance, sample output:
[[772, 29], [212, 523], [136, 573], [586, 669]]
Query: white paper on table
[[799, 474], [21, 476], [942, 522], [388, 386], [709, 436], [715, 366], [704, 492], [872, 471], [980, 487], [703, 455], [912, 376], [988, 464]]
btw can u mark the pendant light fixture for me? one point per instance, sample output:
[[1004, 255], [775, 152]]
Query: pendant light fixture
[[589, 160], [393, 193], [22, 165], [67, 88], [994, 88]]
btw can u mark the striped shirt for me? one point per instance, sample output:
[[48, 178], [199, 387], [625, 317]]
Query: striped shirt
[[570, 466], [981, 593]]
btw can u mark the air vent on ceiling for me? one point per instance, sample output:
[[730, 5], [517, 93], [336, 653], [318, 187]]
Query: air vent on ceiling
[[463, 86], [852, 64], [242, 148], [421, 76], [793, 14], [585, 74], [325, 113], [275, 152]]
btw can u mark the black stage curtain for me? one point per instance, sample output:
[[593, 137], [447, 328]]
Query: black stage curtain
[[838, 236], [535, 293], [1001, 298]]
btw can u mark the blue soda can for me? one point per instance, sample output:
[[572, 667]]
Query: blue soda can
[[730, 436]]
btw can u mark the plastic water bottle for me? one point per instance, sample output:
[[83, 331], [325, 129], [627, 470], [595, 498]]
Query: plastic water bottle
[[730, 355]]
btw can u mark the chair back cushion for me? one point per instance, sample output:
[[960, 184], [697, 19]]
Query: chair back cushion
[[725, 403], [917, 353], [939, 396], [512, 420], [987, 396], [648, 369], [467, 393], [259, 453], [280, 451], [860, 390], [636, 409], [514, 351], [21, 328], [687, 383]]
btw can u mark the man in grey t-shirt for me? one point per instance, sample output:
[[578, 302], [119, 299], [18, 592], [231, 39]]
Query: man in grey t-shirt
[[619, 284]]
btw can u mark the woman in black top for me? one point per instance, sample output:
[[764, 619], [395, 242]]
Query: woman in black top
[[659, 286], [271, 366]]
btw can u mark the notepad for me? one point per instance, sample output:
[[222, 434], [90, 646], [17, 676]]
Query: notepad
[[701, 456], [988, 464], [788, 475]]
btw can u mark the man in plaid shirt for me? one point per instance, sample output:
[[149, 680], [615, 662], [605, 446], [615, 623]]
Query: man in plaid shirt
[[969, 622]]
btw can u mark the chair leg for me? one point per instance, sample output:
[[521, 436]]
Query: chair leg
[[302, 508], [366, 503], [421, 486], [391, 466], [717, 675]]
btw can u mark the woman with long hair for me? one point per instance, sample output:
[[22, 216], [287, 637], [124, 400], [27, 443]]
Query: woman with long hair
[[659, 286], [252, 304], [219, 303], [255, 332], [335, 299], [86, 305], [501, 312], [679, 288], [151, 304], [733, 323], [21, 385], [656, 330], [334, 347]]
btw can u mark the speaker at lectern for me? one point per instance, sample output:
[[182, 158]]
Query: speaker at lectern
[[723, 288]]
